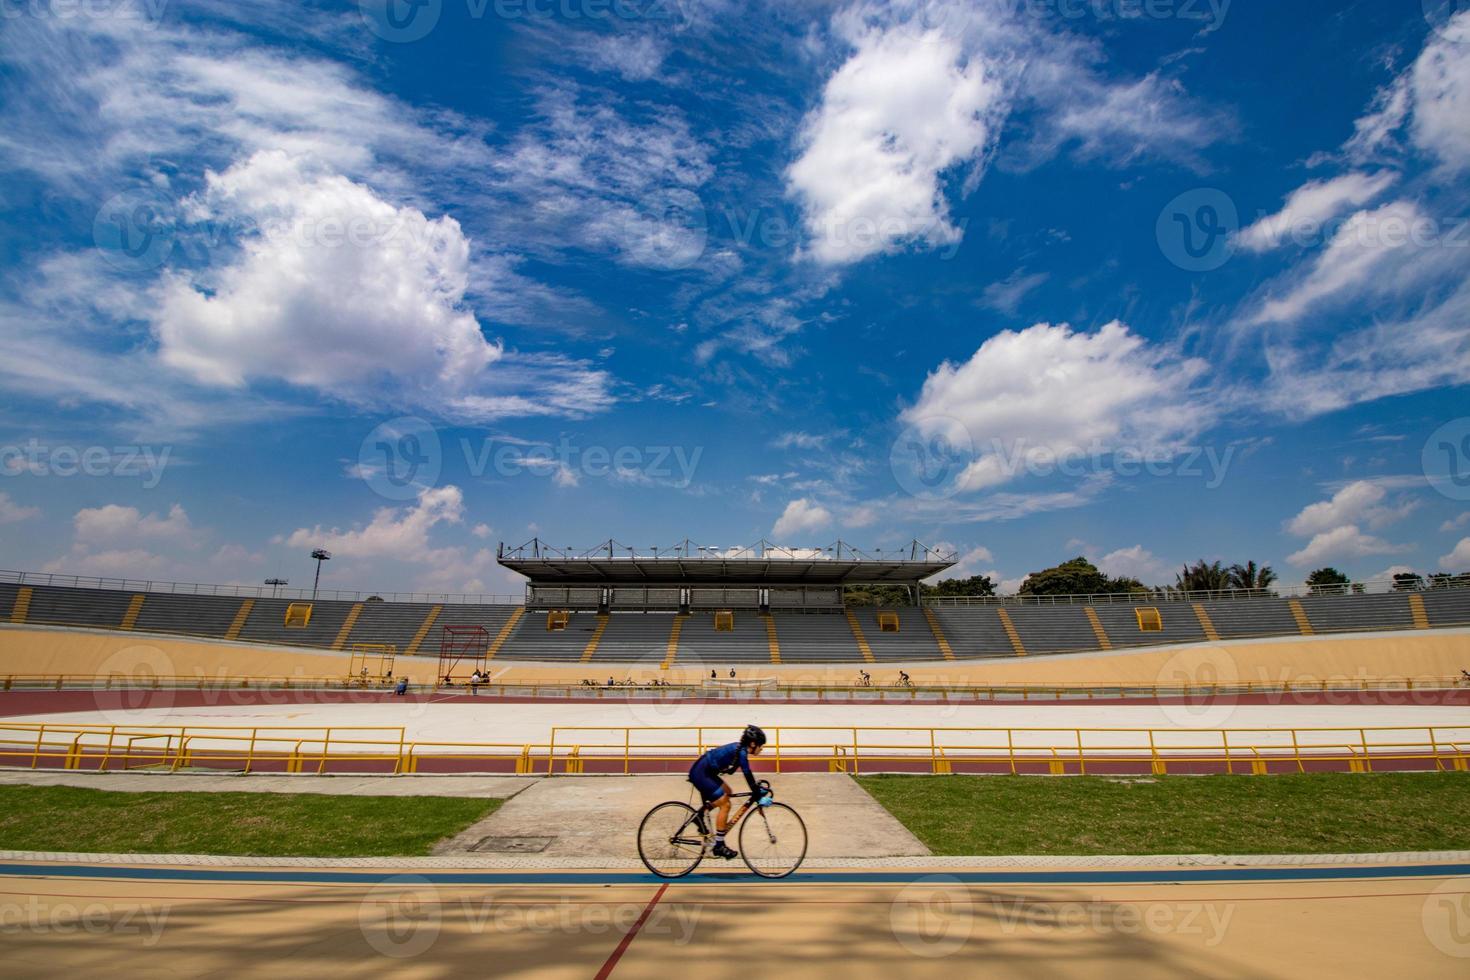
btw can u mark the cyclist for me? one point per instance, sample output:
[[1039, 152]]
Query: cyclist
[[864, 680], [705, 775], [903, 679]]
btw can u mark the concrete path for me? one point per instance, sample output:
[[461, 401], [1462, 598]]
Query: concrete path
[[490, 787], [598, 817]]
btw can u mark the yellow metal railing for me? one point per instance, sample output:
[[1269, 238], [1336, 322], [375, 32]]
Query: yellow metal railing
[[852, 749]]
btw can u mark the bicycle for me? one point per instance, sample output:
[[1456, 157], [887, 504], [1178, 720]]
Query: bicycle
[[674, 837]]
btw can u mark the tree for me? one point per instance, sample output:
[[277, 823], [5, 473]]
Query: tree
[[1076, 577], [1327, 581], [1408, 582], [1248, 576], [975, 585], [1203, 576]]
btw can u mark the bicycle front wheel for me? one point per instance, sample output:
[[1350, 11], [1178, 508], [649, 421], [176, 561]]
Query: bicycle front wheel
[[773, 840], [669, 841]]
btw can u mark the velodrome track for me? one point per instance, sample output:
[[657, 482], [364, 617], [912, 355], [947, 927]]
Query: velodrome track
[[374, 731], [1085, 918]]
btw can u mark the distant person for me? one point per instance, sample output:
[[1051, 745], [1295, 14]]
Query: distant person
[[402, 687], [476, 679], [713, 675], [732, 673], [610, 681]]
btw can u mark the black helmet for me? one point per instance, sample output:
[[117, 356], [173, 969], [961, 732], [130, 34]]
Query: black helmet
[[752, 736]]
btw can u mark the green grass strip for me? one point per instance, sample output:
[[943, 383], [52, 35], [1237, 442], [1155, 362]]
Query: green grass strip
[[65, 818], [1279, 814]]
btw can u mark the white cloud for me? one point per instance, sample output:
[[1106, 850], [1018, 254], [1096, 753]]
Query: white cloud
[[1441, 88], [860, 516], [1360, 502], [1455, 523], [1374, 251], [976, 561], [13, 513], [1049, 390], [125, 563], [801, 516], [481, 531], [392, 532], [339, 291], [799, 440], [1006, 295], [1135, 562], [1342, 543], [113, 523], [1312, 205], [901, 111], [1458, 560]]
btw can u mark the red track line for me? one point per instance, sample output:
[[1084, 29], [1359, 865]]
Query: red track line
[[617, 954]]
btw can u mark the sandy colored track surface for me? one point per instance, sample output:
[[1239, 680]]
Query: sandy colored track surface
[[925, 925], [459, 721]]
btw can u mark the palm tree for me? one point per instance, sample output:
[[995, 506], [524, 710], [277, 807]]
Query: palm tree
[[1203, 576], [1248, 576]]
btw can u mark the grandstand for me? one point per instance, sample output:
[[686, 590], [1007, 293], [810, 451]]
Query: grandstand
[[690, 606]]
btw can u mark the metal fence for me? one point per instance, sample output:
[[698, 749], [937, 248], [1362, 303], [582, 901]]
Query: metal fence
[[248, 591]]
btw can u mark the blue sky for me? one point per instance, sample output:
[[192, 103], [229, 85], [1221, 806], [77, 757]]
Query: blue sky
[[1148, 282]]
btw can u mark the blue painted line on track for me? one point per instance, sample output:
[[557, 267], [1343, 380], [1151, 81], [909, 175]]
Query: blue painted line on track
[[969, 877]]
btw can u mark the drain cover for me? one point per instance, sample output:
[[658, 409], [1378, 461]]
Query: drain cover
[[513, 845]]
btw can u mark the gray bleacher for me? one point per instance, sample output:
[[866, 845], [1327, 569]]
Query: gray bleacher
[[634, 637], [200, 615], [699, 644], [1242, 618], [532, 641], [267, 622], [816, 638], [396, 623], [79, 607], [1053, 629], [1120, 622], [1338, 613], [1444, 607], [804, 637], [974, 631], [913, 641]]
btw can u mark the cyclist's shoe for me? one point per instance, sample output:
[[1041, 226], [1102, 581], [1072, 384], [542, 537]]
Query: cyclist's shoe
[[726, 852]]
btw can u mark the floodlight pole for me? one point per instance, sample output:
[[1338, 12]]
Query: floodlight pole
[[320, 555], [275, 583]]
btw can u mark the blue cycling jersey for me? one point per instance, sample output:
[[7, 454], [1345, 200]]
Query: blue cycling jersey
[[724, 760]]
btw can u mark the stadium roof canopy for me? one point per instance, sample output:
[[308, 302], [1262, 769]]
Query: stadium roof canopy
[[687, 564]]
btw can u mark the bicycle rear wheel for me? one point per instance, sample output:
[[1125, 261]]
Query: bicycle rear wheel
[[669, 841], [773, 840]]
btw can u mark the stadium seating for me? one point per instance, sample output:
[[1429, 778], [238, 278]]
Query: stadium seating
[[809, 634]]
